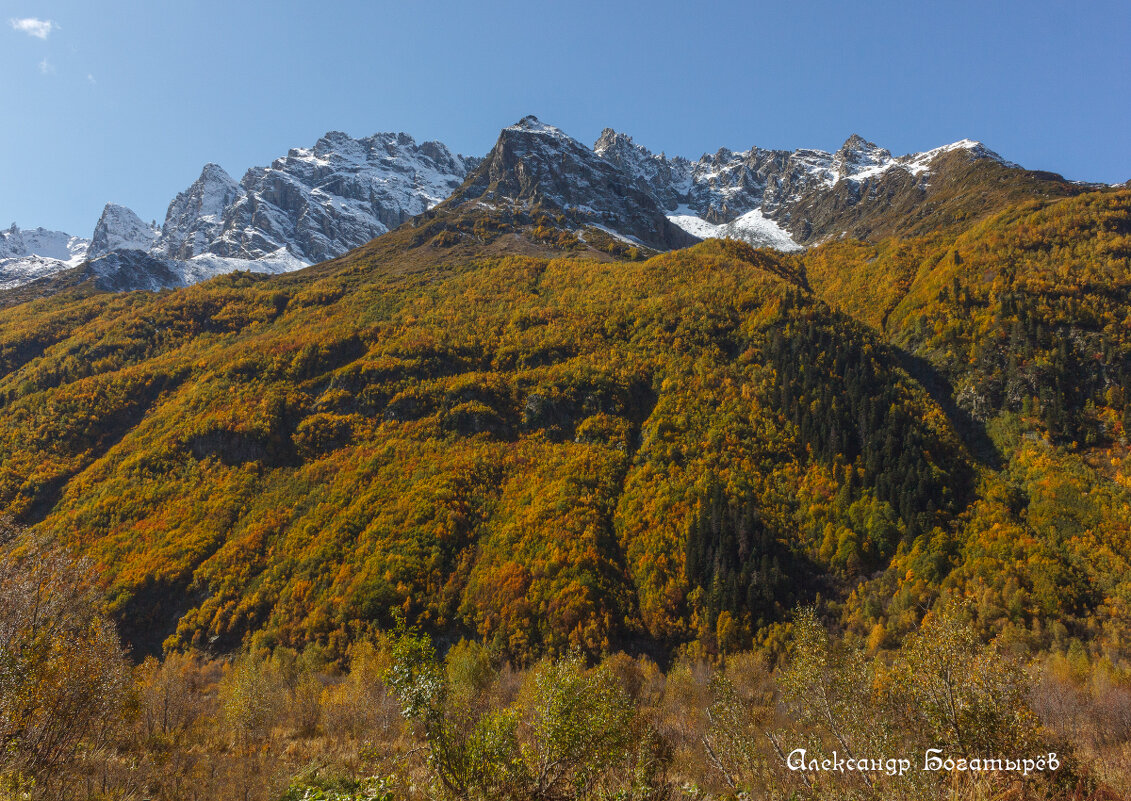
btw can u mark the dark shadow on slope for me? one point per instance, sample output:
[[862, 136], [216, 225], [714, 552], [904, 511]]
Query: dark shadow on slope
[[152, 613], [972, 431], [112, 429]]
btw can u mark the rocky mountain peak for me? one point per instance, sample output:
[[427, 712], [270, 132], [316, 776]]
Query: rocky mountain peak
[[610, 141], [212, 172], [619, 149], [316, 203], [535, 165], [531, 124], [28, 254], [665, 179], [195, 217], [856, 142], [859, 157], [16, 243], [781, 198], [120, 229], [342, 145], [12, 243]]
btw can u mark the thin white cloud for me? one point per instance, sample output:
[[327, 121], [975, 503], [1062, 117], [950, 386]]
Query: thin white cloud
[[46, 67], [39, 28], [90, 78]]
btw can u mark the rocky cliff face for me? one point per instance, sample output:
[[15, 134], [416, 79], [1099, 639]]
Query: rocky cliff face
[[666, 179], [537, 166], [195, 219], [27, 255], [320, 202], [781, 198], [120, 229], [311, 205], [317, 203]]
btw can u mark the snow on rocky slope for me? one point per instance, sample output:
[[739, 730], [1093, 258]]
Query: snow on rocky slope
[[762, 196], [536, 165], [26, 255], [311, 205], [320, 202], [120, 229], [317, 203]]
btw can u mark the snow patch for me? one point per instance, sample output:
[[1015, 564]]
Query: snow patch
[[628, 240], [753, 227], [208, 265], [760, 231], [696, 226]]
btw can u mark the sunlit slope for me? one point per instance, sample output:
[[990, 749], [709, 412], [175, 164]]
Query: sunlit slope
[[526, 448], [1021, 325], [1026, 312], [511, 435]]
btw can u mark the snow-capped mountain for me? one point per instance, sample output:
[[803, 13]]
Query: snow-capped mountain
[[120, 229], [320, 202], [26, 255], [311, 205], [535, 165], [195, 218], [771, 197], [317, 203]]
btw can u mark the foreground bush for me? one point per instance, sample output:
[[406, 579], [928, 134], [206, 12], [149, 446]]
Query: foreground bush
[[398, 722], [566, 731], [64, 681]]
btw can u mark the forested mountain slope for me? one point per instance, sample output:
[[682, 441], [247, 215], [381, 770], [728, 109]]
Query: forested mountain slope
[[490, 425]]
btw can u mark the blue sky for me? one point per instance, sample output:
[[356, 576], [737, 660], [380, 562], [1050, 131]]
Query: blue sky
[[126, 101]]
